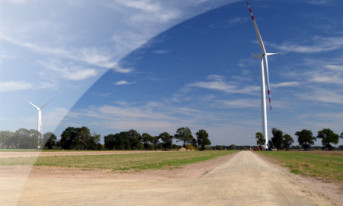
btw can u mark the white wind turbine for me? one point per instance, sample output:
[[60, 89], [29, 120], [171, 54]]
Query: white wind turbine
[[39, 109], [264, 69]]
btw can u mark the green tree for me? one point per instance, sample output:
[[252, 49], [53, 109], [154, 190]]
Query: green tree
[[202, 139], [184, 134], [287, 141], [328, 137], [5, 136], [305, 138], [79, 138], [155, 141], [147, 141], [260, 139], [69, 138], [270, 145], [49, 140], [277, 138], [167, 140], [232, 147], [110, 141], [26, 139], [119, 141], [135, 139], [94, 142]]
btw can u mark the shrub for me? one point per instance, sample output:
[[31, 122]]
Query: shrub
[[190, 147]]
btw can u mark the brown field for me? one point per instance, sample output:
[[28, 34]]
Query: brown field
[[240, 179], [65, 153]]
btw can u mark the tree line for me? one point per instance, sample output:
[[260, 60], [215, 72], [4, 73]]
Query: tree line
[[305, 139], [81, 138]]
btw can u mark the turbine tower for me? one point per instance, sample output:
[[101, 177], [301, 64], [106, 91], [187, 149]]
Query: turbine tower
[[264, 70], [39, 109]]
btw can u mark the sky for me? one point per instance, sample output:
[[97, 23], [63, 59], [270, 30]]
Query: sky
[[155, 66]]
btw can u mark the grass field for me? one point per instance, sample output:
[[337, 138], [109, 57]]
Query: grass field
[[319, 164], [119, 162]]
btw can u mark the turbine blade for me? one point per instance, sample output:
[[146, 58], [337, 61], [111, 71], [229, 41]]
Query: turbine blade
[[265, 59], [33, 104], [259, 38], [46, 104]]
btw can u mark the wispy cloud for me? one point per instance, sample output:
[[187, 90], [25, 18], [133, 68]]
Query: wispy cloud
[[323, 95], [146, 10], [317, 45], [285, 84], [10, 86], [216, 82], [237, 20], [92, 56], [69, 72], [328, 78], [214, 85], [329, 71], [157, 116], [161, 52], [241, 103], [123, 82], [335, 67]]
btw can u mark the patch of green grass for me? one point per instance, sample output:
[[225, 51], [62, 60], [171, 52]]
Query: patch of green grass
[[323, 165], [119, 162]]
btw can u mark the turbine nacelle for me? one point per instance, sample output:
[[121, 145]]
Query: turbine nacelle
[[259, 56]]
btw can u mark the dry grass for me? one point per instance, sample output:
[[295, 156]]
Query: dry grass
[[320, 164], [119, 162]]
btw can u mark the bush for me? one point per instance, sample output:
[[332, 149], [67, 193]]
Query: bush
[[190, 147]]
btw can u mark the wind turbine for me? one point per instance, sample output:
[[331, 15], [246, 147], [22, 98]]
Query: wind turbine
[[39, 109], [264, 69]]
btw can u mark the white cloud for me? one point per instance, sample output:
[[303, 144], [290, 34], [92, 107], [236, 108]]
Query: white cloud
[[324, 73], [238, 20], [241, 103], [217, 83], [123, 82], [151, 11], [160, 52], [323, 95], [52, 117], [326, 78], [10, 86], [215, 77], [335, 67], [285, 84], [69, 72], [150, 116], [214, 85], [91, 56], [317, 45]]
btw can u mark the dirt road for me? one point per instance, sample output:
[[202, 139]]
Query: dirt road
[[245, 179]]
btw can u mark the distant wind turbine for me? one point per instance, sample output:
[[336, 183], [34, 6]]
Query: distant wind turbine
[[39, 109], [264, 69]]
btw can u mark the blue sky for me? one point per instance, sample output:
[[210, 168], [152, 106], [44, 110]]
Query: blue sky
[[155, 66]]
